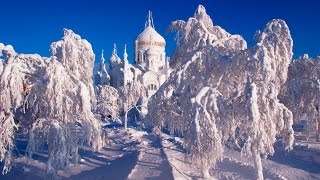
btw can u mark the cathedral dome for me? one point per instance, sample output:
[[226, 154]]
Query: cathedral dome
[[151, 35]]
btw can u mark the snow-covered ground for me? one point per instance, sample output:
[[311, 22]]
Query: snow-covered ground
[[152, 162], [136, 154], [233, 166], [115, 161]]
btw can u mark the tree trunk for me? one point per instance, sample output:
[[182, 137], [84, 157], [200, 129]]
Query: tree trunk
[[205, 173], [258, 165], [126, 120], [318, 128]]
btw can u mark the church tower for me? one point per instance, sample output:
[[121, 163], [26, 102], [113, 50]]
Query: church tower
[[102, 77], [150, 47]]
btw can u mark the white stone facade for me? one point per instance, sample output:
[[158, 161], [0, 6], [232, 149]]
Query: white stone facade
[[151, 66]]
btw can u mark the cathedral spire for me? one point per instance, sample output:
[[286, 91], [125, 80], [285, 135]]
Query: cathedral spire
[[149, 21], [125, 58], [102, 57], [114, 49], [125, 55]]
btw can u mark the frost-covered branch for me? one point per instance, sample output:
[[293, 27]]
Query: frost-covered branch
[[7, 132]]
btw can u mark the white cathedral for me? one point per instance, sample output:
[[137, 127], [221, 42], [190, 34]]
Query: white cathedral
[[150, 68]]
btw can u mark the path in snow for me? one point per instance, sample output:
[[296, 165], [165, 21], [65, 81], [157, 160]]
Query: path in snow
[[114, 162], [116, 169], [152, 162], [181, 169], [131, 154]]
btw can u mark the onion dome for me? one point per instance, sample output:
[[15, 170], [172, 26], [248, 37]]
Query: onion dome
[[145, 37], [114, 59]]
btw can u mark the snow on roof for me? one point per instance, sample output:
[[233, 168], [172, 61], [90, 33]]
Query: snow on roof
[[150, 34]]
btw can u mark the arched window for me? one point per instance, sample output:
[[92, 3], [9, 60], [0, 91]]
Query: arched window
[[139, 56], [152, 87]]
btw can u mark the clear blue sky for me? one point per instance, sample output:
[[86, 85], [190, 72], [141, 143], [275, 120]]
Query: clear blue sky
[[32, 25]]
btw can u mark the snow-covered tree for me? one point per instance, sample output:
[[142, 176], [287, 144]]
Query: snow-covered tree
[[18, 73], [215, 66], [7, 132], [129, 96], [302, 93], [77, 57], [7, 125], [108, 104], [51, 98], [62, 111], [1, 60], [261, 119], [203, 139], [270, 60], [198, 32]]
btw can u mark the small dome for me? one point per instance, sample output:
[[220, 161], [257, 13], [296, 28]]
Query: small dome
[[114, 59], [150, 34]]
